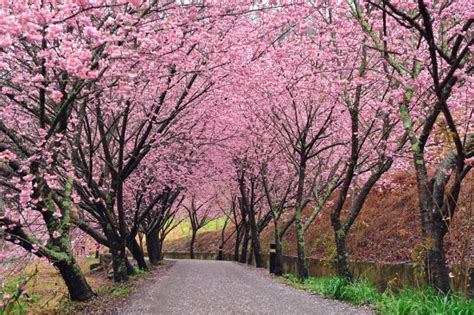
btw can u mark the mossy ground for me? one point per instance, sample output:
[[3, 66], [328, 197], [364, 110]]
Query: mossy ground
[[46, 293]]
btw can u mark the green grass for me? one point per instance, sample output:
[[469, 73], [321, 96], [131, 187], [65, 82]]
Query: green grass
[[139, 272], [121, 291], [413, 301], [406, 302], [114, 290], [103, 290], [183, 230]]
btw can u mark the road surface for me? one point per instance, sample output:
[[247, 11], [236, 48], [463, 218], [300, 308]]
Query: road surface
[[222, 287]]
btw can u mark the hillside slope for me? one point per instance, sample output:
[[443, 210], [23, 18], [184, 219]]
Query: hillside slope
[[387, 231]]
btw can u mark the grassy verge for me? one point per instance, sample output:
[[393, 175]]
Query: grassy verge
[[407, 301], [39, 288]]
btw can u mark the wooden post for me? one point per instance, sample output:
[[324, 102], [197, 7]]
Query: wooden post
[[272, 257]]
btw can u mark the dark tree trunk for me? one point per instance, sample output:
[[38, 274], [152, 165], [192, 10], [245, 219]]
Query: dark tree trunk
[[238, 240], [79, 289], [433, 230], [119, 255], [278, 271], [138, 255], [119, 262], [220, 254], [257, 253], [437, 270], [160, 248], [278, 267], [153, 247], [130, 269], [300, 246], [342, 266], [191, 245], [250, 255], [245, 244], [302, 267]]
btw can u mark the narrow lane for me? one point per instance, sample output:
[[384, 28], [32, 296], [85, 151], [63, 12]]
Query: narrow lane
[[220, 287]]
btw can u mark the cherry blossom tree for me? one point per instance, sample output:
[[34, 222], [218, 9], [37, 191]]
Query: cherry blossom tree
[[298, 114], [250, 204], [279, 189], [427, 44], [119, 128], [81, 114], [200, 213], [367, 134], [160, 222], [117, 115], [228, 204], [43, 78]]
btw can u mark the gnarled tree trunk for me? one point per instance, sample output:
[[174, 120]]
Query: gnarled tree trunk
[[255, 240], [433, 230], [119, 260], [238, 239], [153, 247], [278, 268], [79, 289], [342, 266], [245, 245], [302, 266], [138, 255]]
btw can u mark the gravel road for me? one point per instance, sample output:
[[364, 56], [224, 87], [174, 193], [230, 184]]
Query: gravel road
[[221, 287]]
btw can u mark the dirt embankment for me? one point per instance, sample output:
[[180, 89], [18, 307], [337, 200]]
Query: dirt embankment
[[388, 229]]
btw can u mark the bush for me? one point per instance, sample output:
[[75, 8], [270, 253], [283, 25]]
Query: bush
[[407, 301]]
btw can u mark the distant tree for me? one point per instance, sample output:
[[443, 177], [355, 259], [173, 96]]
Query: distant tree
[[201, 211], [279, 193], [160, 222]]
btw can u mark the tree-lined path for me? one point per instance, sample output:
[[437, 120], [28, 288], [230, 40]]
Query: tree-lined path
[[221, 287], [123, 120]]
